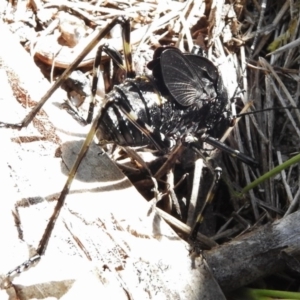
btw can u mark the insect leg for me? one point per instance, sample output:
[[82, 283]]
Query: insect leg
[[125, 23], [208, 200], [102, 112], [127, 49], [233, 152], [118, 65], [61, 200], [100, 35], [190, 139]]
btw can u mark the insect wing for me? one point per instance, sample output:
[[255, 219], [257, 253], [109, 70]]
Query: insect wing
[[202, 64], [186, 81], [207, 73]]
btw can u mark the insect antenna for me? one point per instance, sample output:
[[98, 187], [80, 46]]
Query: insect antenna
[[264, 110]]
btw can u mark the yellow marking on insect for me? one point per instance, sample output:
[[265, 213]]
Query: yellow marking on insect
[[132, 116], [155, 95], [210, 197], [199, 218], [128, 57], [127, 47], [160, 99]]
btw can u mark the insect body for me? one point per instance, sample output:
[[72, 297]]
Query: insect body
[[184, 97], [171, 103]]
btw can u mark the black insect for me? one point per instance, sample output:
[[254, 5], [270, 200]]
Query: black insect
[[183, 96], [184, 100]]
